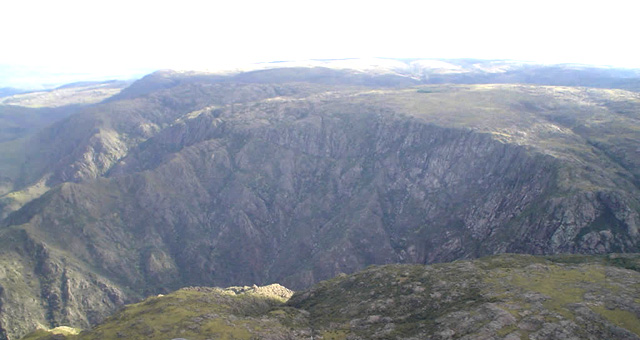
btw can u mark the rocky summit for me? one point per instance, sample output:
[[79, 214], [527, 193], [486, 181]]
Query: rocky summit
[[297, 175], [499, 297]]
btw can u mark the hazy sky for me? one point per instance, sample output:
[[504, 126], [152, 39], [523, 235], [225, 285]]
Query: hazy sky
[[118, 38]]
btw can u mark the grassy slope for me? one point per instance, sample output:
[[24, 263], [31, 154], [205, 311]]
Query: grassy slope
[[200, 313], [495, 296]]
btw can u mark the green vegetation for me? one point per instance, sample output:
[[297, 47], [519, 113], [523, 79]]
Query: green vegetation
[[621, 318], [58, 333], [194, 314], [624, 261], [561, 286]]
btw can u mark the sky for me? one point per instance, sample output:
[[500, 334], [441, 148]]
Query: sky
[[68, 40]]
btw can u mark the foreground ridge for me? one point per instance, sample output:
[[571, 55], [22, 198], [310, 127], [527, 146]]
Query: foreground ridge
[[498, 297]]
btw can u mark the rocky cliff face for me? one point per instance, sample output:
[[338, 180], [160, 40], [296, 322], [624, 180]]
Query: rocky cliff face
[[208, 183], [43, 288]]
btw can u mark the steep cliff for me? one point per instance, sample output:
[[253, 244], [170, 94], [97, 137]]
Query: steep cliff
[[43, 287]]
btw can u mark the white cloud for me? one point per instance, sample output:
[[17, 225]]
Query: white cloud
[[117, 36]]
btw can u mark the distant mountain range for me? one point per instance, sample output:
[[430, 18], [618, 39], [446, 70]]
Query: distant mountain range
[[9, 91], [23, 78], [296, 173]]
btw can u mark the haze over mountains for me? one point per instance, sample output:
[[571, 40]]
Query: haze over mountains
[[111, 192], [425, 70]]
